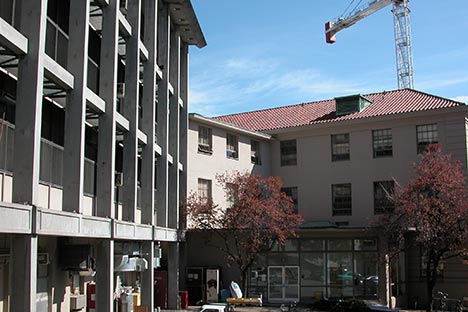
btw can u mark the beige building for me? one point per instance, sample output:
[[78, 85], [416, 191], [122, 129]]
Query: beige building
[[336, 158], [92, 165]]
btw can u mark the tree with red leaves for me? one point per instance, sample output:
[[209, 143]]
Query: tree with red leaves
[[259, 215], [433, 208]]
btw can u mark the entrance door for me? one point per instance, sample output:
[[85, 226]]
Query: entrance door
[[283, 283]]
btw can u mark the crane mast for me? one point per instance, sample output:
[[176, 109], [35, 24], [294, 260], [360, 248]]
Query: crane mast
[[401, 21]]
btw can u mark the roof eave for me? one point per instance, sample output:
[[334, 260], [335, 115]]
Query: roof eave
[[184, 17], [228, 126]]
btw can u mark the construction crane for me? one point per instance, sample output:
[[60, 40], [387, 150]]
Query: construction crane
[[401, 21]]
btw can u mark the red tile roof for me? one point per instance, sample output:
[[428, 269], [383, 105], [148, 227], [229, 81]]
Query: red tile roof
[[383, 103]]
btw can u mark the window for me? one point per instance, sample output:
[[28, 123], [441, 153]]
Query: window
[[382, 143], [255, 152], [204, 140], [426, 134], [341, 199], [292, 192], [382, 202], [340, 146], [204, 188], [288, 153], [231, 194], [232, 146]]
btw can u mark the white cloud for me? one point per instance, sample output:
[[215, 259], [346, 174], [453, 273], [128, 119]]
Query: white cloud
[[244, 84], [442, 81], [461, 98]]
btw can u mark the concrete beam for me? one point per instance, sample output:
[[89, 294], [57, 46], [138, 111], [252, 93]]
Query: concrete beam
[[95, 103], [15, 218], [56, 73], [144, 54], [122, 123], [157, 149], [142, 138], [124, 26], [12, 39]]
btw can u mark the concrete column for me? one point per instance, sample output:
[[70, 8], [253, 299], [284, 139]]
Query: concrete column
[[75, 111], [174, 132], [29, 92], [164, 22], [183, 91], [183, 126], [147, 277], [23, 273], [130, 110], [105, 172], [105, 275], [149, 114], [172, 275]]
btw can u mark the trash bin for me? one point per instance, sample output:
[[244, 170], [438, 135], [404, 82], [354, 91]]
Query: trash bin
[[183, 299], [224, 294], [126, 300]]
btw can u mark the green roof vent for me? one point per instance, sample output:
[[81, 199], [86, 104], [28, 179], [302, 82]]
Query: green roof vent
[[351, 104]]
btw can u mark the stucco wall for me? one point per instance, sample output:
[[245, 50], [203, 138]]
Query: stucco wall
[[315, 172], [206, 166]]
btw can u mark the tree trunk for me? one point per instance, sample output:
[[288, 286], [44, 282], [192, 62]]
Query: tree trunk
[[431, 279], [244, 282]]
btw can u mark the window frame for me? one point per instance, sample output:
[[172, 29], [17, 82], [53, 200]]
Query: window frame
[[232, 148], [337, 144], [382, 143], [343, 210], [383, 205], [292, 191], [288, 153], [255, 154], [425, 137], [205, 133], [201, 189]]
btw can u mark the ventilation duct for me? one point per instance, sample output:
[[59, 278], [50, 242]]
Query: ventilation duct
[[126, 263]]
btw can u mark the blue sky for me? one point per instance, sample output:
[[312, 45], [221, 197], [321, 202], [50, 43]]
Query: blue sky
[[269, 53]]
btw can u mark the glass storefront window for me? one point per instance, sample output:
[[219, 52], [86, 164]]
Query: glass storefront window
[[312, 244], [291, 245], [365, 266], [340, 274], [290, 258], [339, 244], [312, 269], [365, 244], [325, 267]]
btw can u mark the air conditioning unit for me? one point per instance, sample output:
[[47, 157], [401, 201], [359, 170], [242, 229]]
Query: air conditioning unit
[[120, 90], [204, 148], [119, 179], [231, 154], [43, 258]]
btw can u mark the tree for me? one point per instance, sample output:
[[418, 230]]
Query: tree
[[259, 215], [433, 208]]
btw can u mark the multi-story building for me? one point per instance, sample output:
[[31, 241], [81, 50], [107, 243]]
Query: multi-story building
[[93, 100], [337, 159]]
